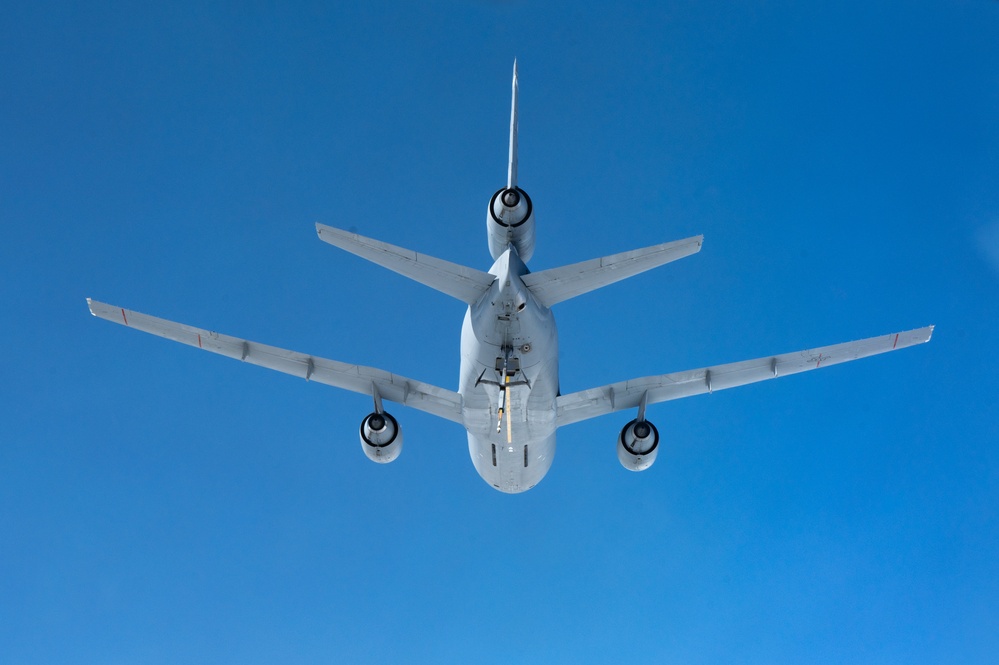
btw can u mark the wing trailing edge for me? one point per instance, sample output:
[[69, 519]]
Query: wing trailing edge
[[425, 397], [594, 402]]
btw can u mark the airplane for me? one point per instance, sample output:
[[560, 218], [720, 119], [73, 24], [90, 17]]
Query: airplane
[[509, 399]]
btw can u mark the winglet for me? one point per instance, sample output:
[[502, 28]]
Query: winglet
[[511, 174]]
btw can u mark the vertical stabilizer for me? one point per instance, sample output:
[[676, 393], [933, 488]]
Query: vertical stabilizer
[[511, 174], [510, 218]]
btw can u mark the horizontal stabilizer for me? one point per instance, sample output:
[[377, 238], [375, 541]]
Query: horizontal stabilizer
[[465, 284], [595, 402], [357, 378], [558, 284]]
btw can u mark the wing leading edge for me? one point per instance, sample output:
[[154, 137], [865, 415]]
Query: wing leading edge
[[594, 402], [357, 378]]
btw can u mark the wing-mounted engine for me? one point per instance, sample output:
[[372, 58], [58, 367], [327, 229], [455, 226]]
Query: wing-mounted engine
[[381, 438], [510, 221], [638, 445]]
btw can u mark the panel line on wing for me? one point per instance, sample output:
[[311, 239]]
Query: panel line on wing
[[425, 397], [585, 404]]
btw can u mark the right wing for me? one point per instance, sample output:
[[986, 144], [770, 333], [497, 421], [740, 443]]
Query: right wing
[[585, 404], [357, 378]]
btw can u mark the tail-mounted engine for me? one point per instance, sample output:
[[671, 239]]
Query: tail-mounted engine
[[637, 445], [510, 221], [381, 438]]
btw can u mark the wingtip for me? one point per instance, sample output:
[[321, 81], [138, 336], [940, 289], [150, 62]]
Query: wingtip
[[696, 241], [90, 306], [325, 231]]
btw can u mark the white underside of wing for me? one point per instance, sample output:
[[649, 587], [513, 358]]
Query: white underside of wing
[[585, 404], [357, 378]]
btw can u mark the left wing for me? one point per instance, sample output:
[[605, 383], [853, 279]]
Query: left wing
[[357, 378], [586, 404]]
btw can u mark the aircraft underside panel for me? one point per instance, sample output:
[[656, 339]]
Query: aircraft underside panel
[[515, 467]]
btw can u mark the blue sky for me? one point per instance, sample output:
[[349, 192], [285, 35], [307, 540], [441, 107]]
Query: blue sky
[[158, 505]]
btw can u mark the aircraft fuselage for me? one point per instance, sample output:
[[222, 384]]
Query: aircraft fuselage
[[509, 415]]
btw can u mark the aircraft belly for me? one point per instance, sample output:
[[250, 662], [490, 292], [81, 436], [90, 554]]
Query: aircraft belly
[[509, 383], [503, 466]]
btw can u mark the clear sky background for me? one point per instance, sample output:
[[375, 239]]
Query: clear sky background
[[160, 505]]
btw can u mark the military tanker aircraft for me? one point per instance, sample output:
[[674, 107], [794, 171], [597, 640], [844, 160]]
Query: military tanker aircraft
[[508, 398]]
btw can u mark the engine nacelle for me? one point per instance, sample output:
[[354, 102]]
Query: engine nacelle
[[638, 445], [381, 438], [510, 221]]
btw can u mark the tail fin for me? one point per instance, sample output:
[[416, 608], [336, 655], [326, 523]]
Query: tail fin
[[510, 216], [558, 284], [465, 284], [511, 174]]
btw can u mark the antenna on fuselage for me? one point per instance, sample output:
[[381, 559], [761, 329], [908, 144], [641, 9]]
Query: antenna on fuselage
[[511, 174]]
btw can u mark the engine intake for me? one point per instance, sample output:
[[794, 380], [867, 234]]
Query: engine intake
[[381, 437], [510, 221], [638, 445]]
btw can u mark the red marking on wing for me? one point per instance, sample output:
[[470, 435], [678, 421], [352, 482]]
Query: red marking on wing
[[199, 341], [896, 341], [124, 318]]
